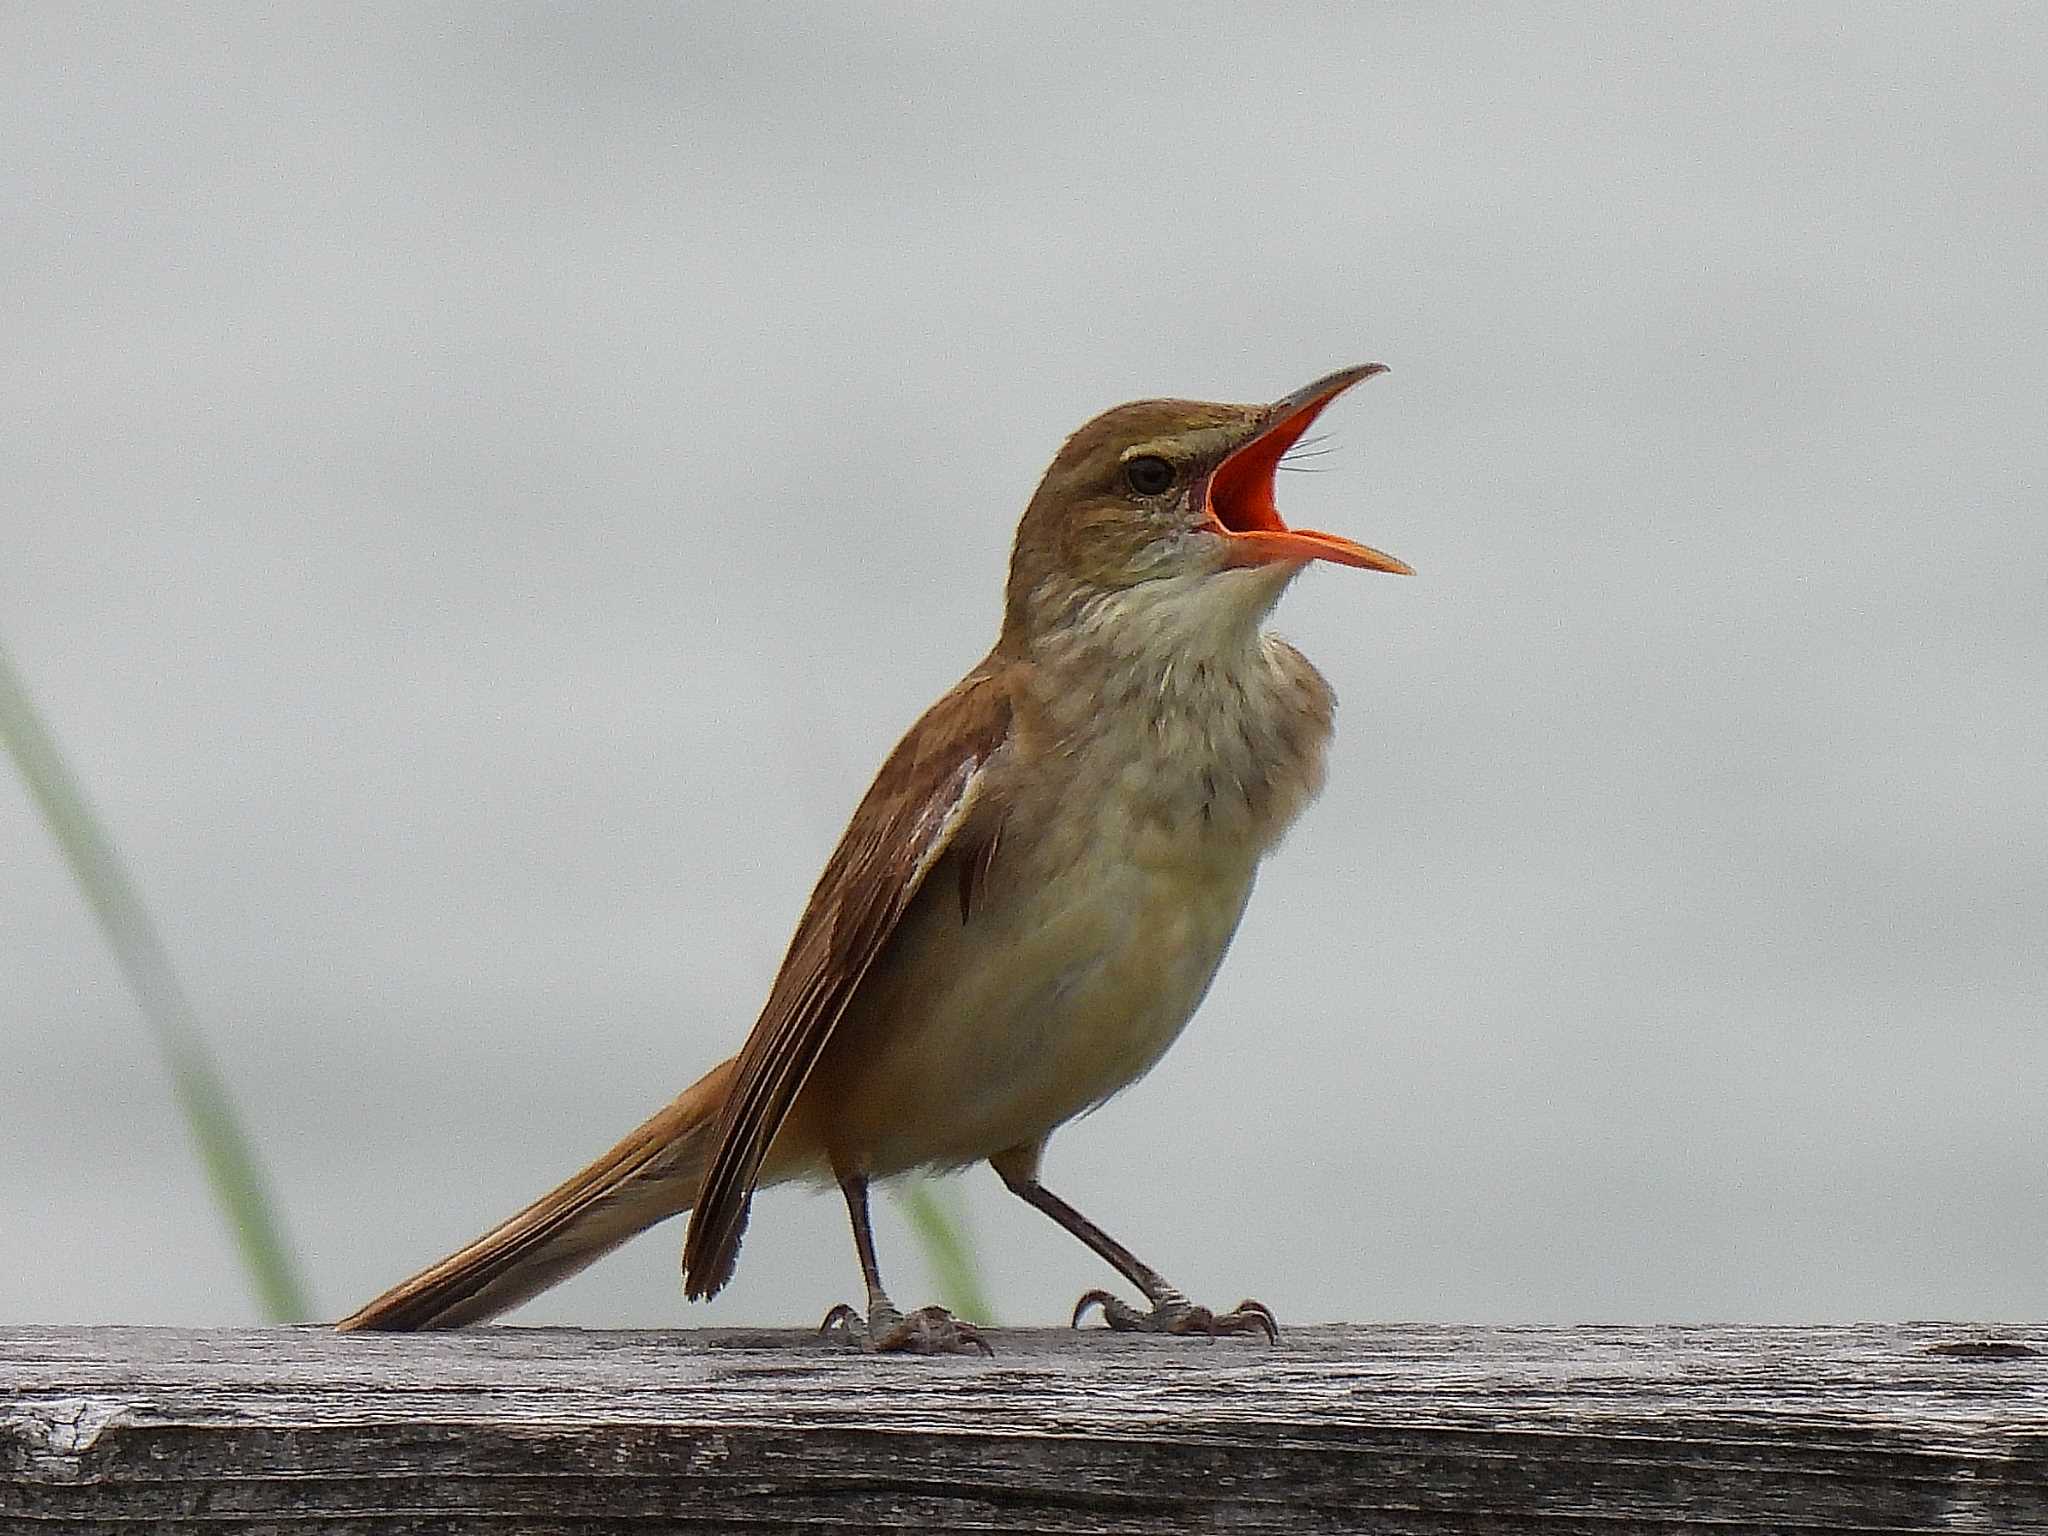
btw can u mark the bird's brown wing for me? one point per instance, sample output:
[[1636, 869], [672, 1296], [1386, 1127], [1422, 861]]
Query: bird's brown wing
[[930, 796]]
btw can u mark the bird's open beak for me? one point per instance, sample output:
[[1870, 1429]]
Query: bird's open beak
[[1240, 489]]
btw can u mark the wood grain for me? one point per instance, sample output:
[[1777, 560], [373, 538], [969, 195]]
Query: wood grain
[[1383, 1429]]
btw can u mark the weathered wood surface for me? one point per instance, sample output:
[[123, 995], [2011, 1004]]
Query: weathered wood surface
[[1385, 1429]]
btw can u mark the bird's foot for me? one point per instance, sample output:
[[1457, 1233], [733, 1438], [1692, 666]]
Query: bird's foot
[[927, 1331], [1176, 1314]]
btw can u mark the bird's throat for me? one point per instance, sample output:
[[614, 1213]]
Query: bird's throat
[[1196, 735]]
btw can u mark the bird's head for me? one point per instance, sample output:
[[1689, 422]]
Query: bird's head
[[1174, 491]]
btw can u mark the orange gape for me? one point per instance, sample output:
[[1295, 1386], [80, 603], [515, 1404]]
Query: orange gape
[[1031, 899]]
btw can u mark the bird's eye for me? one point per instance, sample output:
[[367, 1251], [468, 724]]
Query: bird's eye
[[1150, 475]]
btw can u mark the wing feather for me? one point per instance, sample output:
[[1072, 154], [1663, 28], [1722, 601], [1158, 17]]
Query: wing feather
[[931, 787]]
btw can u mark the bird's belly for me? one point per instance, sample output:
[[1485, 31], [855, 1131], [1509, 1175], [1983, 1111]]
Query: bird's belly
[[985, 1035]]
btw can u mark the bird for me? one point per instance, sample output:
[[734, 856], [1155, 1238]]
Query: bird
[[1028, 904]]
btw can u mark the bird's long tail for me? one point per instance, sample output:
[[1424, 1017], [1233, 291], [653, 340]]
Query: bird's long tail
[[653, 1174]]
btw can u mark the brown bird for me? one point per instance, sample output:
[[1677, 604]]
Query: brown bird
[[1029, 902]]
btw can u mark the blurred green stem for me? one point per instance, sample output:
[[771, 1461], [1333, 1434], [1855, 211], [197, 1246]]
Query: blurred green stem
[[937, 1215], [238, 1182]]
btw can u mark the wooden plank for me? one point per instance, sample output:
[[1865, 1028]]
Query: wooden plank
[[1384, 1429]]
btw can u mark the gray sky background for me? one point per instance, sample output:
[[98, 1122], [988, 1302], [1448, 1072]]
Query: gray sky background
[[484, 488]]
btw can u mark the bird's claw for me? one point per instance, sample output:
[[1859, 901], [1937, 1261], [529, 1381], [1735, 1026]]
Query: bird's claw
[[1177, 1315], [927, 1331], [842, 1322]]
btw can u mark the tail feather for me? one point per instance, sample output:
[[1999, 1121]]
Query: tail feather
[[655, 1173]]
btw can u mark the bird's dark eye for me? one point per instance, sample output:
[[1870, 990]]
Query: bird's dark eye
[[1150, 475]]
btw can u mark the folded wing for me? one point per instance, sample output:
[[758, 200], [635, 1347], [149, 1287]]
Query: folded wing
[[930, 798]]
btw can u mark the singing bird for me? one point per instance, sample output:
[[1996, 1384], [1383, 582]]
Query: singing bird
[[1029, 902]]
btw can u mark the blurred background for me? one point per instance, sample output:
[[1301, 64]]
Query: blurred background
[[484, 488]]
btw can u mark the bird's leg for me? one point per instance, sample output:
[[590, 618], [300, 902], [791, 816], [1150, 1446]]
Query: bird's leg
[[927, 1331], [1171, 1311]]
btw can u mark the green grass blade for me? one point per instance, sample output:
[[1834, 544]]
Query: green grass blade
[[938, 1216], [237, 1179]]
